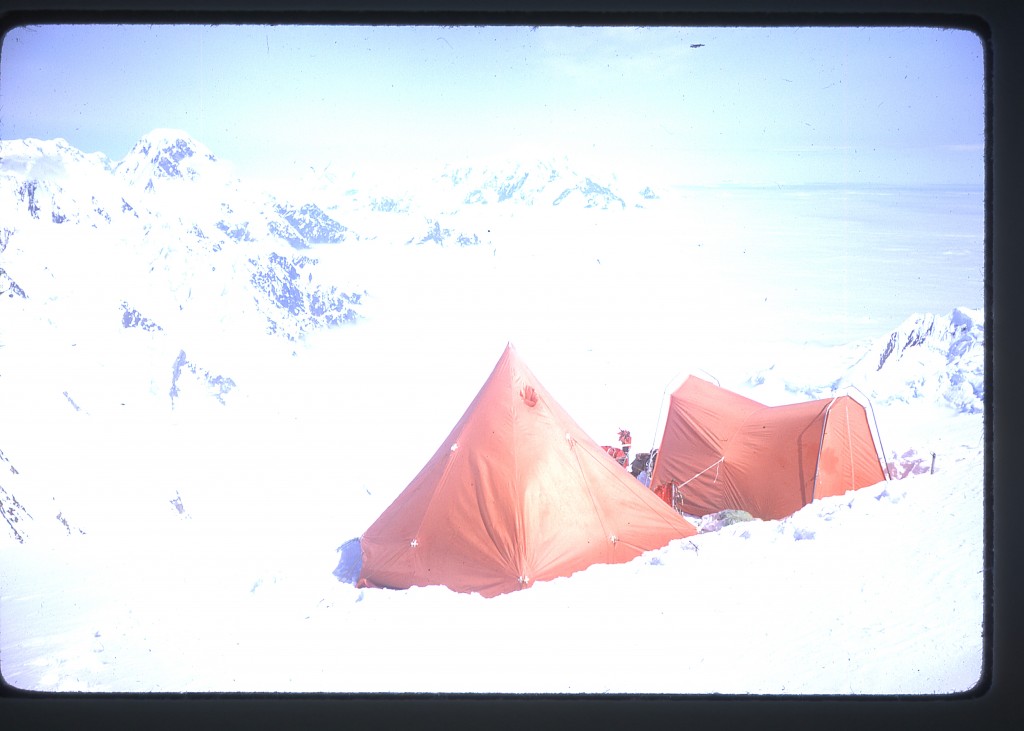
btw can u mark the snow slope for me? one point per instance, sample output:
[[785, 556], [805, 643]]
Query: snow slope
[[879, 592]]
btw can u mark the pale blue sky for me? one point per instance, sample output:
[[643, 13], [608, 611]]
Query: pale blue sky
[[751, 105]]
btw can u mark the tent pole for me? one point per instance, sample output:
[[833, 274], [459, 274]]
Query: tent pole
[[821, 443], [665, 395], [877, 433]]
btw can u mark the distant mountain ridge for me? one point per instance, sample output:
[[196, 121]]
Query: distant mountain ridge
[[175, 199], [171, 174], [167, 175], [538, 183]]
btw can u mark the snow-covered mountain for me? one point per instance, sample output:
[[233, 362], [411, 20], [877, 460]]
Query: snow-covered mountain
[[929, 357], [167, 176], [170, 212], [939, 357], [167, 154]]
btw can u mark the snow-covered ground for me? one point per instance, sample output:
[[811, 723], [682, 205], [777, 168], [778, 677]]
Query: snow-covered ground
[[879, 591], [184, 447]]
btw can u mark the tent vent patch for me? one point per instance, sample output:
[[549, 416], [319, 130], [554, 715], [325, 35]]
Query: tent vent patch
[[529, 395]]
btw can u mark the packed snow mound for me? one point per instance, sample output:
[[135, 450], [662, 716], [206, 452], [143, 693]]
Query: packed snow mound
[[935, 357]]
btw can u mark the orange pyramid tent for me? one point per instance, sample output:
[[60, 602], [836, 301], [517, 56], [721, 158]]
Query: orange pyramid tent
[[517, 493], [720, 450]]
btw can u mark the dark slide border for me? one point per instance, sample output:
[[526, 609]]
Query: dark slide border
[[994, 704]]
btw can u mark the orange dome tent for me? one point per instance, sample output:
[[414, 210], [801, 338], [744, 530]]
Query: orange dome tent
[[720, 450], [517, 493]]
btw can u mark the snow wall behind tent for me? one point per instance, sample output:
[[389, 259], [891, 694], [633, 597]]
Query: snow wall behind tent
[[720, 450], [517, 493]]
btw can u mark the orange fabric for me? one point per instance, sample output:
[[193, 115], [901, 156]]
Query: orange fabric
[[517, 493], [725, 451]]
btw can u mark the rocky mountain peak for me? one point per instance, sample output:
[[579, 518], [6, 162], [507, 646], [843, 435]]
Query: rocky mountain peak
[[167, 154]]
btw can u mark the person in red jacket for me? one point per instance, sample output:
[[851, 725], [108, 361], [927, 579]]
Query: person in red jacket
[[626, 441], [621, 455]]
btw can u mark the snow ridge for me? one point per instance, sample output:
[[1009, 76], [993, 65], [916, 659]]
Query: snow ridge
[[937, 359], [543, 182], [934, 357]]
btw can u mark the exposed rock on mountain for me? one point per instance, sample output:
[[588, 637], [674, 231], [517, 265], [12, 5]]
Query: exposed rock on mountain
[[936, 358], [16, 517], [217, 385], [307, 226], [132, 318], [287, 287], [439, 236], [940, 357], [9, 287]]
